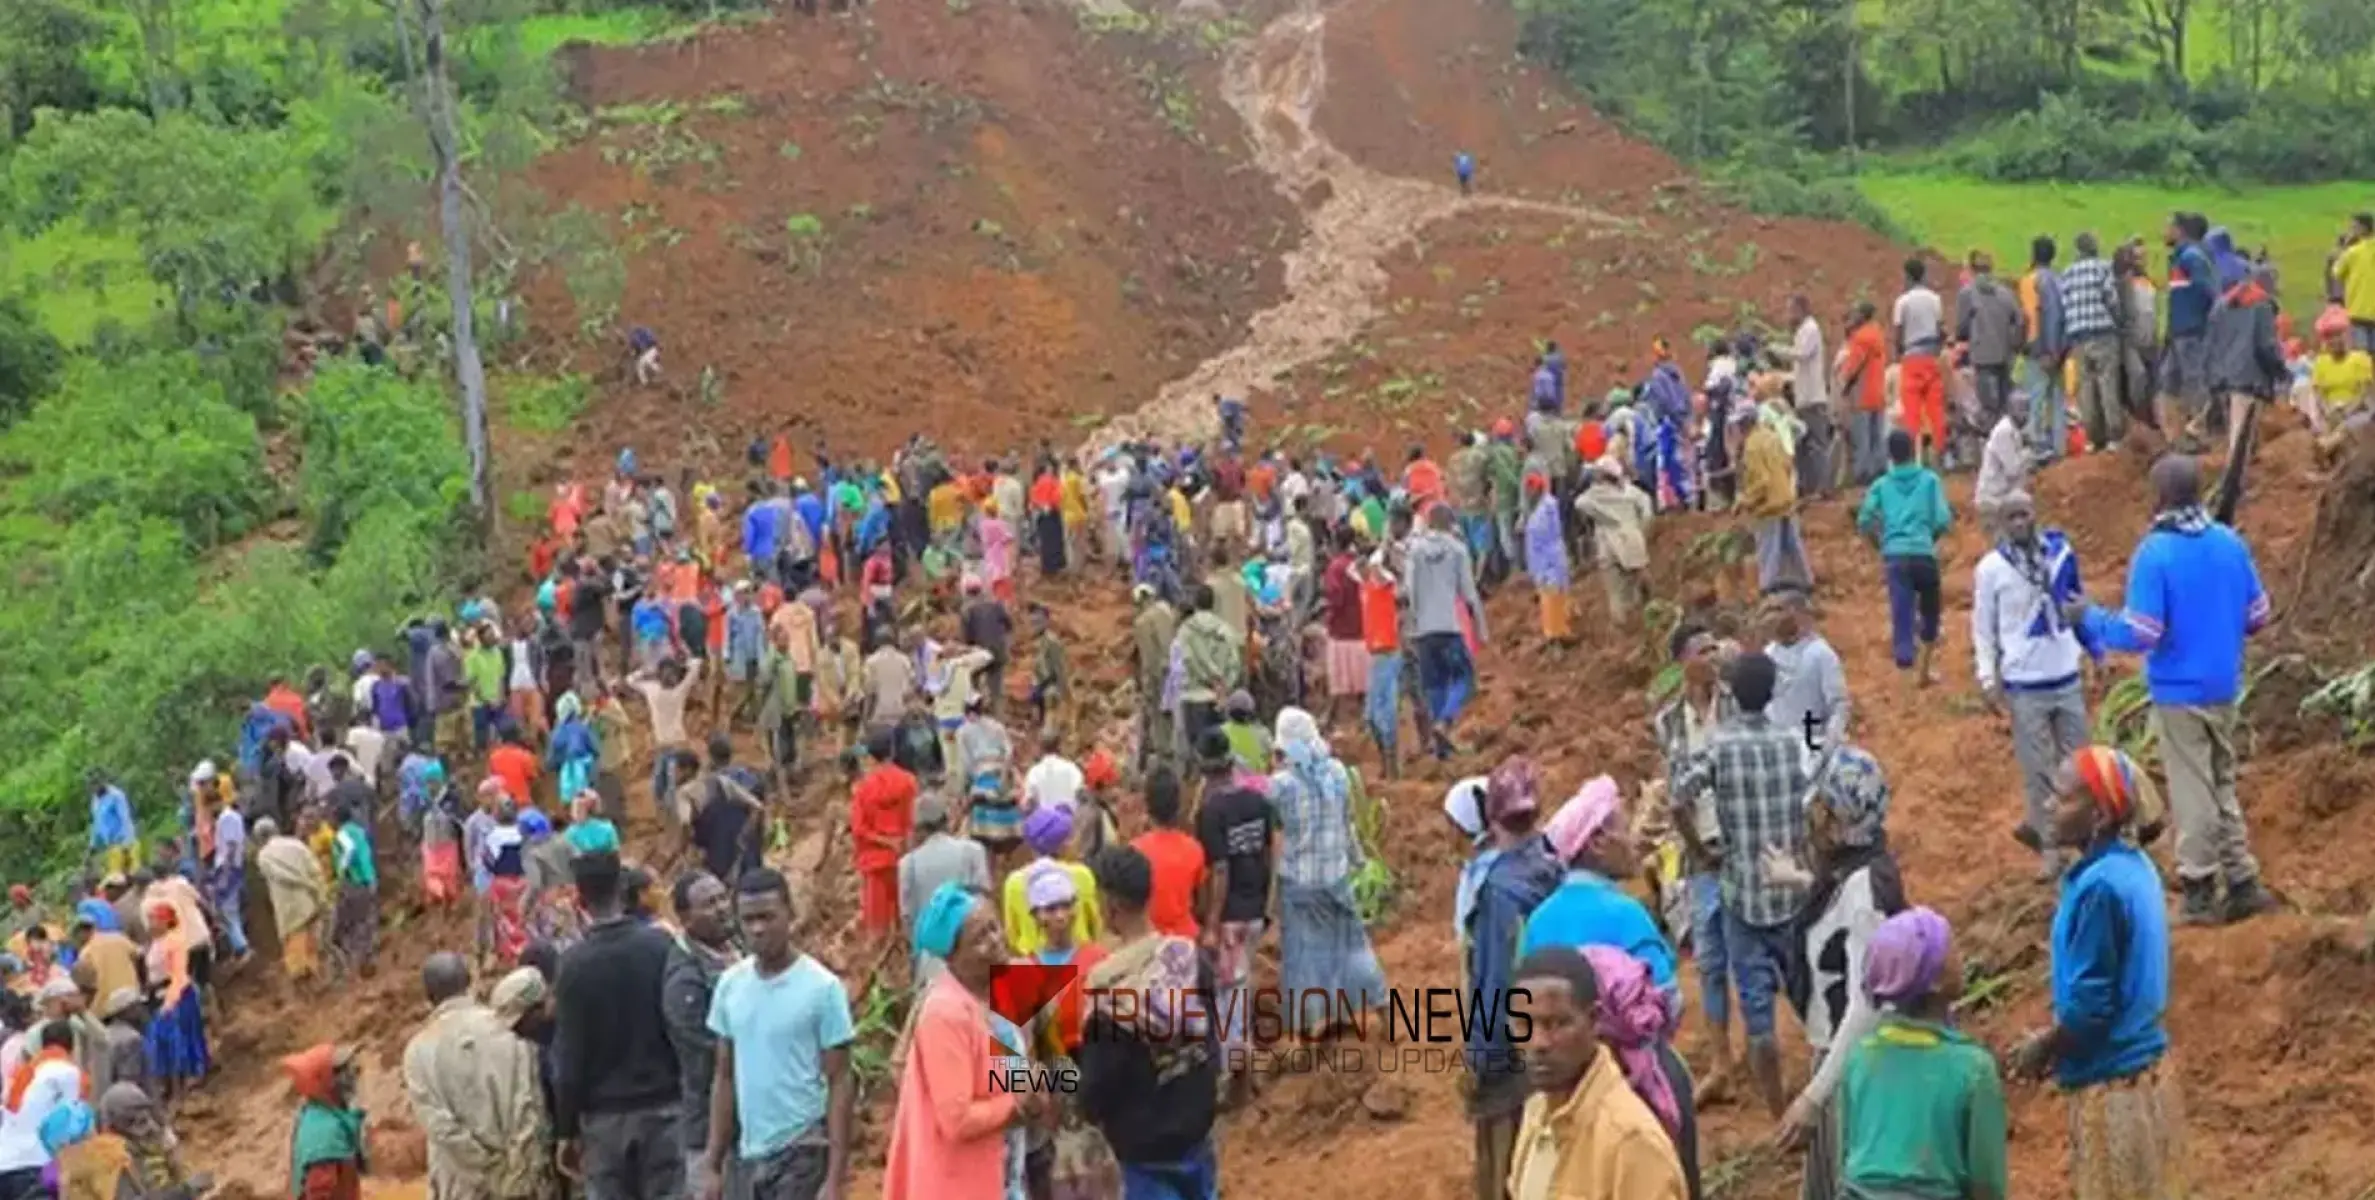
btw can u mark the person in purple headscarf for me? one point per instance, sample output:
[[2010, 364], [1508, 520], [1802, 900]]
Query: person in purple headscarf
[[1047, 830], [1921, 1109], [1636, 1022]]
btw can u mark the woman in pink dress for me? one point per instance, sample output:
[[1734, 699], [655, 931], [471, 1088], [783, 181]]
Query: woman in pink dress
[[951, 1137], [997, 552]]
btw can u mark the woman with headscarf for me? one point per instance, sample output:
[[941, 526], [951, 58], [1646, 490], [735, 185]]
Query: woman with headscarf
[[1080, 1166], [1855, 888], [1591, 840], [1546, 560], [575, 752], [293, 880], [177, 1034], [1323, 947], [1636, 1020], [1463, 806], [2108, 1047], [504, 856], [153, 1153], [1048, 832], [1921, 1108], [441, 847], [326, 1148], [553, 914], [949, 1138]]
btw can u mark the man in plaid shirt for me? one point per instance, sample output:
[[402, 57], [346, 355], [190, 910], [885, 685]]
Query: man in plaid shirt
[[1753, 774], [2091, 316]]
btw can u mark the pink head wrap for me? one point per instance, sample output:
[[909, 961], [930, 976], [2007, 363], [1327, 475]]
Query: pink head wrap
[[1907, 956], [1635, 1017], [1583, 817]]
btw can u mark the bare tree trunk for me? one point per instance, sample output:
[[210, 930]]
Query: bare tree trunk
[[445, 145]]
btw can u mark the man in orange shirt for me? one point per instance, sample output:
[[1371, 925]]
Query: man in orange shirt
[[881, 818], [1175, 854], [285, 700], [514, 764], [1863, 381], [1423, 480]]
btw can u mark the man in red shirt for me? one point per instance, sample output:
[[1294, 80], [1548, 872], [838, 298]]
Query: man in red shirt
[[1423, 480], [881, 818], [1381, 636], [283, 699], [1175, 854]]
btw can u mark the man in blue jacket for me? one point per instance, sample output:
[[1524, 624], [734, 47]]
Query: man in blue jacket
[[2194, 596], [1514, 885]]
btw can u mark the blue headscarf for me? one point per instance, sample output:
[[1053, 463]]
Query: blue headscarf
[[943, 918], [67, 1124]]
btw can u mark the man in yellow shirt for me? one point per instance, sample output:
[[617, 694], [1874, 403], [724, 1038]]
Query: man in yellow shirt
[[1585, 1132], [2355, 272], [2343, 378]]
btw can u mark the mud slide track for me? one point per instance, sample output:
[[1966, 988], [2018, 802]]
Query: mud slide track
[[1354, 219]]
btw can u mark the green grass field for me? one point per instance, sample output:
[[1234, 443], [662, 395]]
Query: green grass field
[[78, 279], [1954, 216]]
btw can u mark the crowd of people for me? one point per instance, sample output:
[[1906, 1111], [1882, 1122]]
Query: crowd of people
[[874, 623]]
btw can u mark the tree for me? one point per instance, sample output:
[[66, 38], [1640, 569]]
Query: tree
[[41, 61], [453, 222], [218, 212], [29, 359]]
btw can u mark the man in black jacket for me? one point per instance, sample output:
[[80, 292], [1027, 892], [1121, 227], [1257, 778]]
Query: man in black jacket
[[1150, 1065], [700, 955], [616, 1096]]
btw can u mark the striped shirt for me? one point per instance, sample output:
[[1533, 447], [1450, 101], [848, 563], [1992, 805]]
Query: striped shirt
[[2090, 300], [1754, 773]]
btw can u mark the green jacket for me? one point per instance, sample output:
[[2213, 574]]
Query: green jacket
[[1905, 509], [1504, 475], [1921, 1114]]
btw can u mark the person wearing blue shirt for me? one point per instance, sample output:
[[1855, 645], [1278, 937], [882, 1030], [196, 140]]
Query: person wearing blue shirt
[[2107, 1047], [1514, 885], [1463, 167], [2194, 598], [114, 837], [1904, 513], [810, 508], [2184, 373], [762, 532], [1589, 909], [783, 1075]]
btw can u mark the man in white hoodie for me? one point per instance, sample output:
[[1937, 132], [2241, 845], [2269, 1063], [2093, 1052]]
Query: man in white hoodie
[[2030, 658]]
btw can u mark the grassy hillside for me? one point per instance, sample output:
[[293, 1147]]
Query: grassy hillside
[[2297, 224]]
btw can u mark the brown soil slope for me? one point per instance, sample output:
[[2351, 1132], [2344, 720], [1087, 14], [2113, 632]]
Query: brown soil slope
[[1398, 312]]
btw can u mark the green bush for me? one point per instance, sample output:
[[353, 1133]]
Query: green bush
[[151, 436], [375, 442]]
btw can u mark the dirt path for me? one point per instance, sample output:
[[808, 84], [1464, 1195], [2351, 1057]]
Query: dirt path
[[1355, 218]]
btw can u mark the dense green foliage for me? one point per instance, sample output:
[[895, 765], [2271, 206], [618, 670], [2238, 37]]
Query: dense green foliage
[[177, 178], [1761, 92]]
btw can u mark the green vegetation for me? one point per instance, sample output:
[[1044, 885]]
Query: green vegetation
[[184, 507], [1773, 101], [2297, 224]]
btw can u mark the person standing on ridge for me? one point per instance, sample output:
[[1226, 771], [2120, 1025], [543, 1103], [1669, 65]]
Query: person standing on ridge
[[1463, 167], [1919, 323], [2193, 599]]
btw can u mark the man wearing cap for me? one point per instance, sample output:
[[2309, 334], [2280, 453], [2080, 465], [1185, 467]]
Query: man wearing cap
[[1521, 874], [1619, 515], [939, 857], [476, 1092]]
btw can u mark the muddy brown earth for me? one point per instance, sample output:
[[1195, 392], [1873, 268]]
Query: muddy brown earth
[[1040, 222]]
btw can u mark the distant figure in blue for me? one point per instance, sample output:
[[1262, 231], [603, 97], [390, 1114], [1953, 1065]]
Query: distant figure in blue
[[1232, 422], [643, 348], [1668, 398], [1463, 165]]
